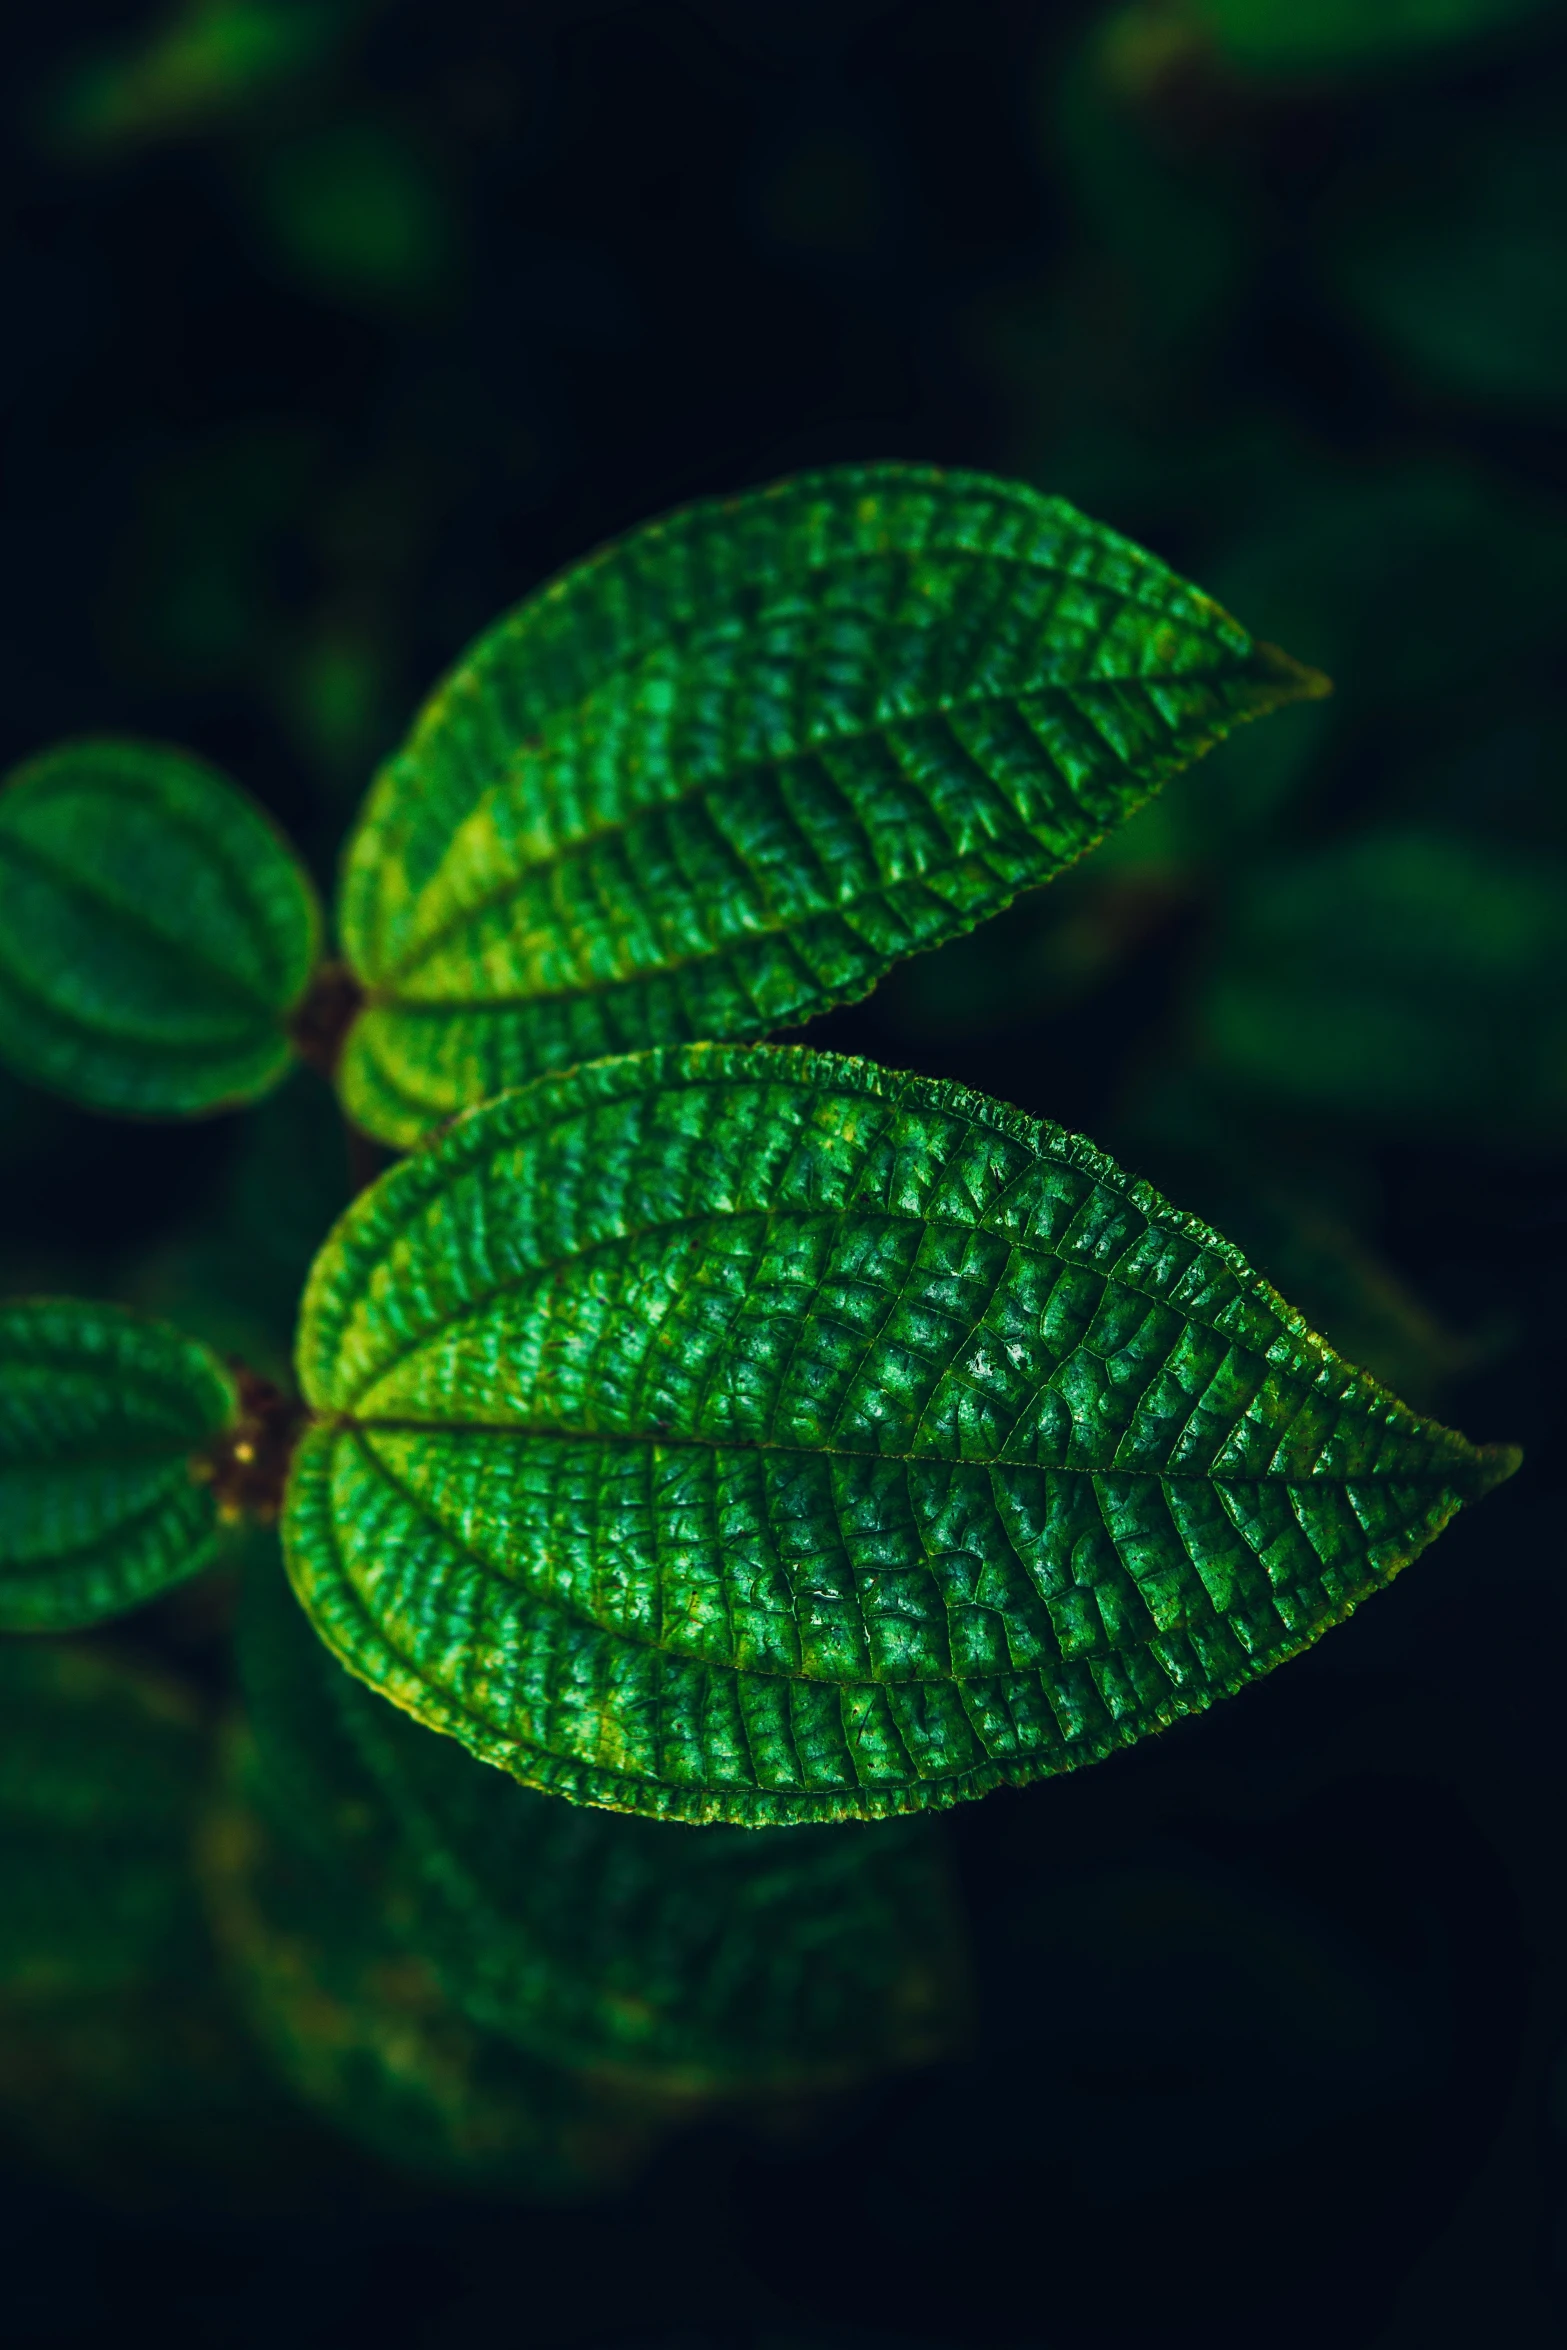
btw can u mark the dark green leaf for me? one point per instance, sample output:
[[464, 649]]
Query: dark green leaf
[[155, 932], [120, 2065], [308, 1893], [1401, 979], [688, 1961], [756, 1435], [1307, 37], [732, 768], [693, 1960], [106, 1420], [1452, 248], [100, 1771]]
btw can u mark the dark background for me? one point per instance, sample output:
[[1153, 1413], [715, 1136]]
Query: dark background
[[330, 332]]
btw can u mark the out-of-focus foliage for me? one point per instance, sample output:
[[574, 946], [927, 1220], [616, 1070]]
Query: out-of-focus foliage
[[752, 1435], [107, 1425], [155, 932], [1302, 37], [352, 212], [234, 1278], [725, 773], [689, 1965], [1452, 247], [204, 61], [1403, 978], [472, 1980], [361, 2028], [118, 2061]]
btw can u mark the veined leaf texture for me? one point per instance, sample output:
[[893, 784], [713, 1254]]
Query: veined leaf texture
[[104, 1421], [155, 932], [747, 1434], [730, 769]]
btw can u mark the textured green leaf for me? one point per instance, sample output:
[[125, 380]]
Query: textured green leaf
[[729, 770], [155, 932], [685, 1961], [105, 1422], [756, 1435]]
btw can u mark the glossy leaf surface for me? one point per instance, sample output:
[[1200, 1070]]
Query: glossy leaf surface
[[104, 1421], [757, 1435], [729, 770], [155, 932]]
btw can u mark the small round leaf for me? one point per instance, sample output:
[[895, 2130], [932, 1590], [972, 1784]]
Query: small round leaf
[[105, 1422], [156, 932]]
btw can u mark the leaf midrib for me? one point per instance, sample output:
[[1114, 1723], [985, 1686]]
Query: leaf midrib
[[349, 1423], [584, 843], [573, 1612]]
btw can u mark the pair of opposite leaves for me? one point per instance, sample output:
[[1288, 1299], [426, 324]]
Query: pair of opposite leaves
[[724, 1432]]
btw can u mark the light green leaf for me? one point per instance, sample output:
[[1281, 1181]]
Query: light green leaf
[[106, 1425], [155, 932], [757, 1435], [732, 768]]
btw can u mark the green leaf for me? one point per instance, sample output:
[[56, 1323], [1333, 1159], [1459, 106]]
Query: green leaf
[[362, 2031], [120, 2066], [682, 1961], [1286, 38], [321, 1927], [100, 1770], [155, 932], [756, 1435], [1401, 980], [732, 768], [688, 1960], [106, 1422]]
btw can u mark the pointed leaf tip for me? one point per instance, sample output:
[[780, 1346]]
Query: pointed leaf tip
[[753, 1434], [730, 770], [1287, 680], [1495, 1464]]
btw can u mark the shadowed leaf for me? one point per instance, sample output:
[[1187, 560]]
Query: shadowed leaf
[[105, 1419], [729, 770], [1400, 979], [759, 1436], [119, 2064], [701, 1963], [155, 932]]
